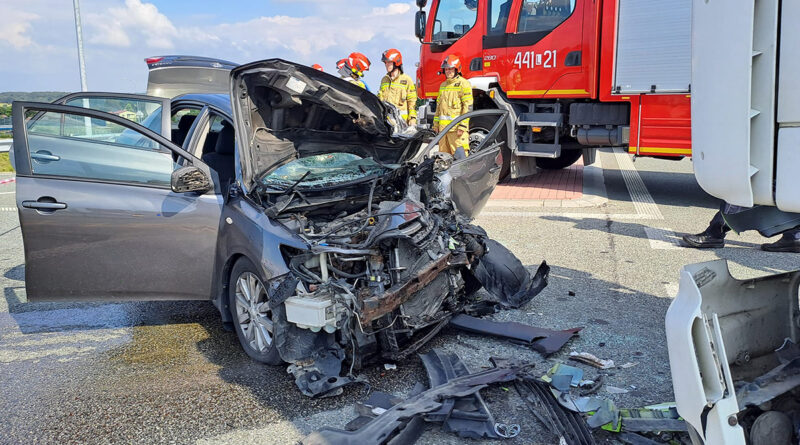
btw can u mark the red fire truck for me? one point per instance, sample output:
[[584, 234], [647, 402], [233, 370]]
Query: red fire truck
[[575, 74]]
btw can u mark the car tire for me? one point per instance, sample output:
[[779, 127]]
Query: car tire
[[567, 158], [252, 320], [478, 128]]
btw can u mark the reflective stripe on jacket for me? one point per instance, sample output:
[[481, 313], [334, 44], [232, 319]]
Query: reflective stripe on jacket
[[400, 92], [455, 99]]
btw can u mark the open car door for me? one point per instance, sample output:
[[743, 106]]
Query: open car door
[[98, 215], [471, 181]]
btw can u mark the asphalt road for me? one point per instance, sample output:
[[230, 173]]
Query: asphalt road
[[157, 372]]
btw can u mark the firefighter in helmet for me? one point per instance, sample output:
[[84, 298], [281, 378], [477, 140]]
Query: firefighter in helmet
[[398, 88], [455, 99], [353, 67], [317, 67]]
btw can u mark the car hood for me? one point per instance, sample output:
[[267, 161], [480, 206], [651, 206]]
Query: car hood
[[284, 111]]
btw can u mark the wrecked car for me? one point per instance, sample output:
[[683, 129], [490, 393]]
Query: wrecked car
[[326, 235]]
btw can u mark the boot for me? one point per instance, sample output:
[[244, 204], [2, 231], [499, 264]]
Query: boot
[[704, 240], [787, 243]]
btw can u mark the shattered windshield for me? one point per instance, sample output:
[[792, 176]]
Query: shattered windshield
[[324, 169]]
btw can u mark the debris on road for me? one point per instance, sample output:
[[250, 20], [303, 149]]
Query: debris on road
[[545, 341], [392, 425], [628, 365], [389, 366], [590, 359], [615, 390], [564, 424]]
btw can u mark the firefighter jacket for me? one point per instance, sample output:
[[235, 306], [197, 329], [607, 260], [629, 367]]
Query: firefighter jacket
[[455, 99], [400, 92], [358, 82]]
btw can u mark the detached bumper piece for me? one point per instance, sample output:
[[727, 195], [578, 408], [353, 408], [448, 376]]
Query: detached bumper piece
[[545, 341], [392, 426], [504, 276]]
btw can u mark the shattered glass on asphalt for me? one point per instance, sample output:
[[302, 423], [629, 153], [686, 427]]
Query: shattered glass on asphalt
[[324, 169]]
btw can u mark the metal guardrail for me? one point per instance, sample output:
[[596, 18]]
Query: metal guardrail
[[5, 145]]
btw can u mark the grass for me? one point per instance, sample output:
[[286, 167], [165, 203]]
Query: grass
[[5, 165]]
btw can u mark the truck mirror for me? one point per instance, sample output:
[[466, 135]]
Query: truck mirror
[[422, 3], [419, 23]]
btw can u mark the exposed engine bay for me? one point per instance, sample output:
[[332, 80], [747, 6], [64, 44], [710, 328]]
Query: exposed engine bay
[[389, 262], [389, 255]]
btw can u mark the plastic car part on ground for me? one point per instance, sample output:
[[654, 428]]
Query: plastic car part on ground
[[469, 416], [542, 340], [591, 359], [383, 428], [563, 423]]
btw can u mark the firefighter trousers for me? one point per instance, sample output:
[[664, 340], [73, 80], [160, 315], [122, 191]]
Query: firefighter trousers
[[451, 141]]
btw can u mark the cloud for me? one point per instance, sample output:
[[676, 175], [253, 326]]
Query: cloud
[[135, 21], [15, 28], [119, 34]]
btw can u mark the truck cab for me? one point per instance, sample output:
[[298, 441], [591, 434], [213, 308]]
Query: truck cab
[[569, 71]]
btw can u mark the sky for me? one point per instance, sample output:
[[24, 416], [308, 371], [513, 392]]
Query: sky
[[39, 52]]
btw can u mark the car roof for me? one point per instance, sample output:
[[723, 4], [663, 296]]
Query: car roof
[[222, 102]]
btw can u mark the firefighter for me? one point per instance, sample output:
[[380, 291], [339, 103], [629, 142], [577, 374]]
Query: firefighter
[[398, 88], [317, 67], [455, 99], [353, 67]]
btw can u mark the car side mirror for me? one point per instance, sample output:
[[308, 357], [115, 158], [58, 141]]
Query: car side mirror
[[419, 25], [190, 179]]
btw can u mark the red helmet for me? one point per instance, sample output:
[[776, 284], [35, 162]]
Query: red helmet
[[452, 61], [392, 55], [358, 63], [317, 66]]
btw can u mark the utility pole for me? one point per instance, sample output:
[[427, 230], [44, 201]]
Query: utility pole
[[79, 35]]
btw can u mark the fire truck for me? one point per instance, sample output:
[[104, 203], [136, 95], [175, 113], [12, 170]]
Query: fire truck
[[575, 75]]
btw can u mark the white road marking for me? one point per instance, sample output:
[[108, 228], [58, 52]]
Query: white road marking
[[611, 216], [663, 239], [8, 209], [643, 202]]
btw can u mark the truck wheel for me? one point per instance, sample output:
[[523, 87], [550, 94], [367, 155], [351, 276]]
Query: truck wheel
[[478, 129], [567, 158], [252, 318]]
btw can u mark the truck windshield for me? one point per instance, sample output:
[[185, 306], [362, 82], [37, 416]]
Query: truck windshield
[[454, 18]]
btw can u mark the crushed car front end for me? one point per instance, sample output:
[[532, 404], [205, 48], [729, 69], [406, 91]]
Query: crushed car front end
[[378, 256]]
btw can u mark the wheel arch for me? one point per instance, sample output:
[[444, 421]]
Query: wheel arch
[[223, 285]]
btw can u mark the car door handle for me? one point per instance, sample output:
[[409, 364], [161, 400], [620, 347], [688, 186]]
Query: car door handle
[[44, 205], [39, 156]]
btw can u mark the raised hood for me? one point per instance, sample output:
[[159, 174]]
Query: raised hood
[[284, 110]]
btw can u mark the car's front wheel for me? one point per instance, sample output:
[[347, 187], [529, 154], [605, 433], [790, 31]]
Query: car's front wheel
[[252, 318]]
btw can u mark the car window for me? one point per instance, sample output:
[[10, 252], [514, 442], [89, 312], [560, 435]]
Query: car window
[[208, 139], [498, 15], [181, 121], [142, 111], [68, 145], [454, 18], [543, 15]]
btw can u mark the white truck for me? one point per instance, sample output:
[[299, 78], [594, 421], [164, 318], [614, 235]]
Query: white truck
[[732, 343]]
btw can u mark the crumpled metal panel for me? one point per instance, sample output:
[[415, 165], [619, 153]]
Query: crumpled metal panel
[[542, 340], [383, 428], [504, 276]]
